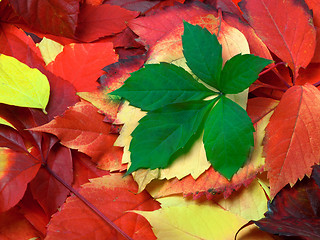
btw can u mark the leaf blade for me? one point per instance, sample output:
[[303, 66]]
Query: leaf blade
[[240, 72], [203, 53], [22, 86], [170, 128], [149, 94], [221, 152]]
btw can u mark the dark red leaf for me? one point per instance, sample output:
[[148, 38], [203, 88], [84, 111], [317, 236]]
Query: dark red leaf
[[33, 212], [10, 138], [50, 193], [58, 17], [295, 211], [134, 5], [103, 20]]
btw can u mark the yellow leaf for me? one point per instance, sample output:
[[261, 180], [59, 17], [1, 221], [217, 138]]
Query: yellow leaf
[[249, 203], [169, 49], [5, 122], [181, 220], [49, 49], [21, 85]]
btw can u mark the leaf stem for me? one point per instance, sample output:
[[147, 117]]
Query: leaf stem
[[316, 84], [276, 72], [220, 20], [85, 201]]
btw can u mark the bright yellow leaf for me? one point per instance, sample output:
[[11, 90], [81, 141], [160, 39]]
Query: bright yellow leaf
[[5, 122], [49, 49], [191, 221], [169, 49], [21, 85]]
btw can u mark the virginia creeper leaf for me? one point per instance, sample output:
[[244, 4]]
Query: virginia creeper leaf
[[114, 196], [203, 53], [292, 148], [295, 211], [56, 17], [21, 85], [240, 72], [228, 135], [163, 132], [274, 21], [16, 171], [157, 85]]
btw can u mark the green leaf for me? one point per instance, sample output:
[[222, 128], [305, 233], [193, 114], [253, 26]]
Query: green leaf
[[157, 85], [240, 72], [228, 137], [162, 132], [203, 53], [21, 85]]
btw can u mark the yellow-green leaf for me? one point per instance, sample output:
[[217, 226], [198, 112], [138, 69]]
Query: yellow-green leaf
[[21, 85]]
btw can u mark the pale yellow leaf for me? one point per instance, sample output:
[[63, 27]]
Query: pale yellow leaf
[[191, 221], [49, 49], [21, 85]]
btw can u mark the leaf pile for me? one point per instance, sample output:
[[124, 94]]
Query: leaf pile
[[191, 72]]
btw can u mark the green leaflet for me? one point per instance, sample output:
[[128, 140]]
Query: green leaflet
[[228, 136], [177, 110], [164, 131], [203, 53], [240, 72], [157, 85]]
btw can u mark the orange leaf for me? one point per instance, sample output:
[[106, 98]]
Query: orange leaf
[[275, 22], [79, 64], [113, 196], [82, 128], [293, 136]]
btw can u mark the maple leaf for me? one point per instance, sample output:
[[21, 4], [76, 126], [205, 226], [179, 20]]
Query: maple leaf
[[292, 148], [204, 56], [279, 32], [295, 211], [57, 17], [82, 127], [114, 196]]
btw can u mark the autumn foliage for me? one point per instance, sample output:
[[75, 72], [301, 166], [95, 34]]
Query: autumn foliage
[[65, 139]]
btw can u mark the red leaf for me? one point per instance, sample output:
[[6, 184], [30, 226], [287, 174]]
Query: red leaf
[[151, 28], [79, 64], [285, 27], [33, 212], [58, 17], [10, 138], [82, 127], [314, 5], [100, 21], [16, 171], [13, 225], [84, 169], [14, 42], [113, 196], [293, 136], [49, 192], [126, 39], [295, 211], [257, 47]]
